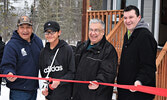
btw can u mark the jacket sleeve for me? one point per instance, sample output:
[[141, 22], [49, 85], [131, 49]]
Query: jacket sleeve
[[2, 45], [147, 56], [41, 63], [108, 70], [9, 59], [108, 67], [71, 66]]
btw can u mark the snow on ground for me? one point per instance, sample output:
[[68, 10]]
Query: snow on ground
[[5, 94]]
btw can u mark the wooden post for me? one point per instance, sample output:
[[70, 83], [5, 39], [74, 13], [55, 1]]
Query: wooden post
[[88, 4], [84, 10]]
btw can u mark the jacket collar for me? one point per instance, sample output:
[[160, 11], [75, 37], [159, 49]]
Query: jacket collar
[[133, 36], [97, 46]]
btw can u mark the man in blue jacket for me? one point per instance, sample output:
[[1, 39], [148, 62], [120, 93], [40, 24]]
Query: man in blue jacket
[[20, 57]]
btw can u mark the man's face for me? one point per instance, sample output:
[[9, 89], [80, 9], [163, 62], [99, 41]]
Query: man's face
[[51, 36], [131, 20], [25, 31], [95, 33]]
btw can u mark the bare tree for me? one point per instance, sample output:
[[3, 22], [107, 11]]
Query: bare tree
[[66, 12], [7, 19]]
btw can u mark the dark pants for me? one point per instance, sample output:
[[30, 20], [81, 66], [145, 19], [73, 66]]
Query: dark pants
[[23, 95]]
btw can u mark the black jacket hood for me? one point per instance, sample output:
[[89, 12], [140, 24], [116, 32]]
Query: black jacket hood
[[59, 45]]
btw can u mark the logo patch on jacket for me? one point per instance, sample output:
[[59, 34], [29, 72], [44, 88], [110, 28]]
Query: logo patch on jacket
[[53, 69], [23, 52]]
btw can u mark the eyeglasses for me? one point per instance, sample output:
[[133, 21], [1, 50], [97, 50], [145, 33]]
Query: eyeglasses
[[51, 32], [95, 30]]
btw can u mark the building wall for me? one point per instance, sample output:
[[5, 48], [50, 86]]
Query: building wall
[[147, 12], [163, 23]]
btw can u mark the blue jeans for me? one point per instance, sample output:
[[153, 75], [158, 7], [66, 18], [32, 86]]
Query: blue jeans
[[23, 95]]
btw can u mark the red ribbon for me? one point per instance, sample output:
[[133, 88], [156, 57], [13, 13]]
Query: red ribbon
[[146, 89]]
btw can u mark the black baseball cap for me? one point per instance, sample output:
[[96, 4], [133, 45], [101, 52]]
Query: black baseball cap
[[51, 25], [24, 20]]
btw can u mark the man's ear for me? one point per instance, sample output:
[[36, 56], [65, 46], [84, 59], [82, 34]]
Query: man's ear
[[103, 32], [59, 33], [139, 16]]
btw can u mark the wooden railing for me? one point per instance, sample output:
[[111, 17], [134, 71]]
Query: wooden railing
[[115, 37], [110, 18], [161, 73]]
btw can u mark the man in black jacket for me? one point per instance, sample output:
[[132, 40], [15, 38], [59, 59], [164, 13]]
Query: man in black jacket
[[2, 45], [137, 65], [96, 61]]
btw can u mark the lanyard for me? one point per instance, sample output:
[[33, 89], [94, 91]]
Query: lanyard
[[49, 68]]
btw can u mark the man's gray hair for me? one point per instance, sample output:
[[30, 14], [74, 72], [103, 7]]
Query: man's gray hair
[[97, 21]]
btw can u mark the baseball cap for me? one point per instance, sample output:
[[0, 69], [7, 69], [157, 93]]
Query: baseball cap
[[51, 25], [24, 20]]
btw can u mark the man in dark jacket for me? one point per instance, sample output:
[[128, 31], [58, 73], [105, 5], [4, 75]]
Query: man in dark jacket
[[2, 45], [96, 61], [20, 57], [137, 65]]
